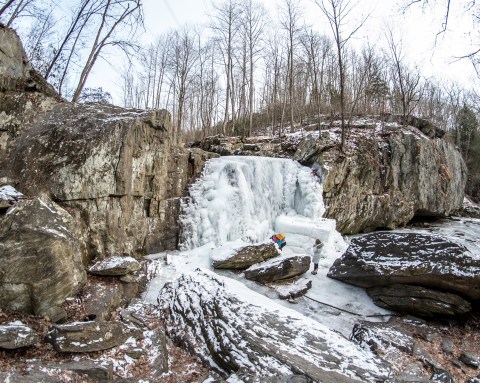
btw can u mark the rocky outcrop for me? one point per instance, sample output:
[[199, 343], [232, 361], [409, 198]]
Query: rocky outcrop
[[115, 266], [418, 300], [87, 336], [119, 172], [417, 350], [384, 259], [40, 257], [386, 177], [246, 256], [24, 94], [234, 329], [278, 269]]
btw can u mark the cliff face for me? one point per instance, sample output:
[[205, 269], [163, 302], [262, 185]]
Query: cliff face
[[24, 94], [120, 173], [386, 177], [117, 171]]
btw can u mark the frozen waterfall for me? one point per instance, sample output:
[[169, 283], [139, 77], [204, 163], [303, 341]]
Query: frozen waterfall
[[250, 198]]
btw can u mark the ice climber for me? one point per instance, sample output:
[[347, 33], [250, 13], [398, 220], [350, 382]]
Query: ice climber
[[279, 239]]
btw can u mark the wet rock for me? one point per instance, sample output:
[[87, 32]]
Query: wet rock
[[40, 257], [246, 256], [233, 329], [115, 266], [470, 359], [279, 269], [475, 379], [448, 346], [15, 335], [81, 337], [419, 301], [384, 258]]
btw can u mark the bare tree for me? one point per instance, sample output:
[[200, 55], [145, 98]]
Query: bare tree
[[338, 13], [256, 18], [407, 81], [184, 57], [115, 15], [8, 4], [225, 17], [290, 21]]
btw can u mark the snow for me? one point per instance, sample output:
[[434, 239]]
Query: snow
[[9, 193], [242, 200]]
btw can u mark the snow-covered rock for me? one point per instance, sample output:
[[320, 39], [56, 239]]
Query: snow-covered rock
[[244, 257], [232, 328], [284, 267], [292, 288], [115, 266], [388, 176], [88, 336], [15, 335], [385, 258]]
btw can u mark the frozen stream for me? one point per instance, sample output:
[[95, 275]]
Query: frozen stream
[[242, 200]]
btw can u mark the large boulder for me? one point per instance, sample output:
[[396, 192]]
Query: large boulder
[[41, 257], [245, 256], [120, 172], [278, 269], [386, 177], [232, 328], [79, 337], [385, 258], [419, 301], [15, 335]]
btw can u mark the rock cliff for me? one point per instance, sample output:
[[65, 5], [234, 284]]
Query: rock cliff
[[118, 172], [24, 94], [386, 176]]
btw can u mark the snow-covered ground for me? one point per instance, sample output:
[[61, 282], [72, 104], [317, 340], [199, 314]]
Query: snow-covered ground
[[244, 200]]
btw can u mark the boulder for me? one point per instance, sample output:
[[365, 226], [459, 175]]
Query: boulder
[[384, 258], [90, 336], [279, 269], [291, 288], [40, 257], [388, 176], [232, 328], [8, 197], [15, 335], [419, 301], [115, 266], [85, 368], [246, 256]]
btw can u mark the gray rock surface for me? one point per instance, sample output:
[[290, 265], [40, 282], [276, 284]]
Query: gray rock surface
[[234, 329], [418, 300], [85, 368], [90, 336], [278, 269], [387, 177], [247, 256], [120, 172], [40, 257], [15, 335], [384, 258], [24, 94], [115, 266]]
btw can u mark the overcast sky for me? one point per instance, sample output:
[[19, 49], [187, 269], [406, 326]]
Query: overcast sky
[[418, 28]]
